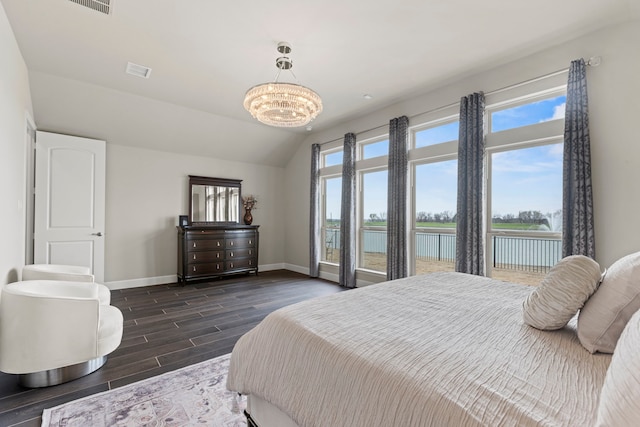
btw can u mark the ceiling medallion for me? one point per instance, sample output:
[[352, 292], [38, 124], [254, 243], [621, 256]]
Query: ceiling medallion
[[283, 104]]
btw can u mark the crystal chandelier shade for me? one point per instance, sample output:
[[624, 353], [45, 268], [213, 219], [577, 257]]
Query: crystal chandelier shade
[[283, 104]]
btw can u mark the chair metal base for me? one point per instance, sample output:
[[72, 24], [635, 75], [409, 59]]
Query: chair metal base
[[61, 375]]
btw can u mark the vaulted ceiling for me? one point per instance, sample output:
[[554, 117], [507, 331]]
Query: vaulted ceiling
[[205, 54]]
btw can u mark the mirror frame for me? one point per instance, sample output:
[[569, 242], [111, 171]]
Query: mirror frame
[[219, 182]]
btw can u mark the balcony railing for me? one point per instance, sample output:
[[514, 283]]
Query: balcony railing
[[528, 254]]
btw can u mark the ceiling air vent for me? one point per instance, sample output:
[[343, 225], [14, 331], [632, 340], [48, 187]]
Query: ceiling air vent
[[103, 6], [138, 70]]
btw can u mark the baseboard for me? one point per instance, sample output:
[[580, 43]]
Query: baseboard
[[161, 280], [296, 268], [139, 283], [270, 267]]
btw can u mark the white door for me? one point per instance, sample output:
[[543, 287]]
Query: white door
[[70, 202]]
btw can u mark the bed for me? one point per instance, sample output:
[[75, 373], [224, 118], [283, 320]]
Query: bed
[[444, 349]]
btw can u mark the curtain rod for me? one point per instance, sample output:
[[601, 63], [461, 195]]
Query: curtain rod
[[594, 61]]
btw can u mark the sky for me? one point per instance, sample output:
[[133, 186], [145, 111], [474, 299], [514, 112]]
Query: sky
[[523, 179]]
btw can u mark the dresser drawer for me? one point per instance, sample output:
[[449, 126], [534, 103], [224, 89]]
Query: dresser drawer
[[241, 263], [202, 244], [240, 242], [204, 256], [240, 253], [204, 269]]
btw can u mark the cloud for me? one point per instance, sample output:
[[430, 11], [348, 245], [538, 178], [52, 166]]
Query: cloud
[[558, 113]]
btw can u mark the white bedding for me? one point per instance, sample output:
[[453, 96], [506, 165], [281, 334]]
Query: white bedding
[[445, 349]]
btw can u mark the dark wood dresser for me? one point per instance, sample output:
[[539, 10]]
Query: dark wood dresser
[[212, 251]]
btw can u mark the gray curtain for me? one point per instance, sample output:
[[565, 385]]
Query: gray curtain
[[347, 270], [397, 199], [469, 223], [577, 199], [314, 219]]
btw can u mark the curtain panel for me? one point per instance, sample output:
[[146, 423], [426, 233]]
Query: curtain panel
[[397, 199], [578, 236], [347, 269], [469, 220], [314, 219]]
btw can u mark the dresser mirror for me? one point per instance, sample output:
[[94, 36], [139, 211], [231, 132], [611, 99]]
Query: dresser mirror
[[214, 201]]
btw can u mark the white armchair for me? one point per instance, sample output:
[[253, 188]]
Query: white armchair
[[67, 273], [53, 331]]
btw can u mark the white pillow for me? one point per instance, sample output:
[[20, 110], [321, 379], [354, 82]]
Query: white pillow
[[605, 315], [620, 396], [561, 293]]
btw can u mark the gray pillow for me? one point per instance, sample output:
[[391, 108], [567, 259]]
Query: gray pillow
[[606, 313], [561, 293], [620, 396]]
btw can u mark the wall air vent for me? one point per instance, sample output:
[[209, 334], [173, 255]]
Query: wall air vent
[[103, 6], [138, 70]]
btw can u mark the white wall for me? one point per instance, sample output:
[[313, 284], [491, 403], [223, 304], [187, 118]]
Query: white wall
[[615, 143], [15, 105], [147, 190]]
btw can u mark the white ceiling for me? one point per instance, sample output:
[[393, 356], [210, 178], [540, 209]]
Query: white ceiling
[[205, 54]]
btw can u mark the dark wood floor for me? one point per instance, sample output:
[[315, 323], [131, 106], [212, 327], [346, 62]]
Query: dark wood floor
[[167, 327]]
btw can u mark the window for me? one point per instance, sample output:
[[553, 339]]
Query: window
[[528, 114], [375, 149], [434, 178], [438, 134], [434, 228], [330, 200], [526, 212], [373, 219], [524, 191], [523, 197], [331, 194], [333, 158]]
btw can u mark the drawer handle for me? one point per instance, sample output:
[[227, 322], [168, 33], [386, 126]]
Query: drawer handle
[[231, 243], [231, 264], [250, 262], [194, 256], [194, 244], [231, 254], [218, 244], [250, 251], [217, 255], [217, 266], [250, 241], [194, 268]]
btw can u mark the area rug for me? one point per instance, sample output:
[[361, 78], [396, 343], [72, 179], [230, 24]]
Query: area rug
[[192, 396]]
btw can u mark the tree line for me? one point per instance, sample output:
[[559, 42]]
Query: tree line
[[524, 217]]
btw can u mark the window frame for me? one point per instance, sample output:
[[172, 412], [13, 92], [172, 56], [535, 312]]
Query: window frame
[[440, 152], [363, 166], [325, 173], [527, 136], [323, 212]]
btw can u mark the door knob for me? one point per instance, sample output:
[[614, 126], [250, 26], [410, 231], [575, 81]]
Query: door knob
[[99, 234]]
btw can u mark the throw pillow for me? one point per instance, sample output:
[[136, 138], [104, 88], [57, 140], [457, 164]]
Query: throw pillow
[[561, 293], [620, 396], [605, 315]]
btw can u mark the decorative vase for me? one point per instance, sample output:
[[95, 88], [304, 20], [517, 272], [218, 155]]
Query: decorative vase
[[248, 218]]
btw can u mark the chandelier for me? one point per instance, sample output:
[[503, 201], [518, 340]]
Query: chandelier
[[283, 104]]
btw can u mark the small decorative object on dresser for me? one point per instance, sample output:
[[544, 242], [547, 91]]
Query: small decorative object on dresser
[[249, 202]]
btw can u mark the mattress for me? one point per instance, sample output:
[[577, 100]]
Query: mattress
[[444, 349]]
